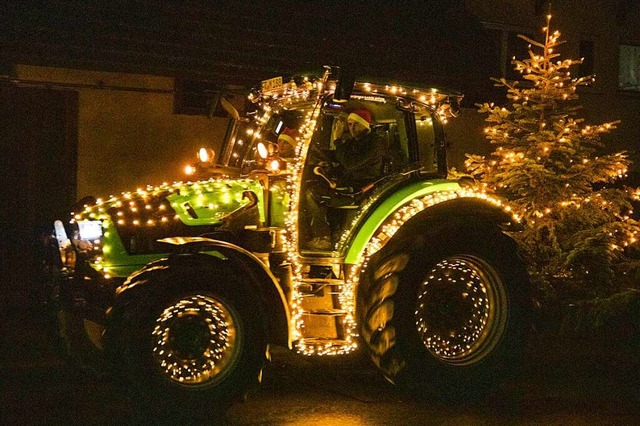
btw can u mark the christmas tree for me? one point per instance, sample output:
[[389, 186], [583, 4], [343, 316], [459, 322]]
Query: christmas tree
[[580, 234]]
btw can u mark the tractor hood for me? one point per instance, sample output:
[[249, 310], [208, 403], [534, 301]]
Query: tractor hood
[[143, 217], [207, 202]]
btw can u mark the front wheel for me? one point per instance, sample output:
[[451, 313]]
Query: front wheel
[[186, 341], [444, 313]]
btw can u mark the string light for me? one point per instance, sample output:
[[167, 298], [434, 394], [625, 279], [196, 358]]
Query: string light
[[190, 360]]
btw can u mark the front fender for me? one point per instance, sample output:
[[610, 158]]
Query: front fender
[[198, 252]]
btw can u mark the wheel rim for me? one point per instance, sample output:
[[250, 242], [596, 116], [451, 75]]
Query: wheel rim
[[461, 311], [196, 340]]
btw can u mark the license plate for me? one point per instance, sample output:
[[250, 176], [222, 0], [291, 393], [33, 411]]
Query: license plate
[[271, 85]]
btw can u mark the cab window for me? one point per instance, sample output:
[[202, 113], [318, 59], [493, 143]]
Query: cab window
[[426, 141], [387, 123]]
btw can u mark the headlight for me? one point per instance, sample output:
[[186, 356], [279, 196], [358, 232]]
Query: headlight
[[263, 152], [90, 230], [206, 155], [88, 239]]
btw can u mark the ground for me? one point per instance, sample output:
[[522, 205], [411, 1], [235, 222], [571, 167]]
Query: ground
[[561, 388]]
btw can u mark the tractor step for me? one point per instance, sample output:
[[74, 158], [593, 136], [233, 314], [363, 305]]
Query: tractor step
[[325, 312], [320, 289], [322, 342]]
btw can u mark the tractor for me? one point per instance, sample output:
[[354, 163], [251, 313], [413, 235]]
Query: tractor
[[180, 290]]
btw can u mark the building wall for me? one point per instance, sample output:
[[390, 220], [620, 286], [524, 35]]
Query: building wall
[[128, 136], [604, 22]]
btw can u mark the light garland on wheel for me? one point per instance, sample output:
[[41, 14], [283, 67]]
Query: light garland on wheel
[[470, 293], [212, 359]]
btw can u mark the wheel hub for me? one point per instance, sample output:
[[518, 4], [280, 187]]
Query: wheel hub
[[460, 312], [189, 336], [195, 340]]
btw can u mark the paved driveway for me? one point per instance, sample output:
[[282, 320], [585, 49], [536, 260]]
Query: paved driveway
[[37, 388]]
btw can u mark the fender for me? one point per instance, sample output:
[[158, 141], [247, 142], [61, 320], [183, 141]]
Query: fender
[[198, 252], [465, 211], [442, 200]]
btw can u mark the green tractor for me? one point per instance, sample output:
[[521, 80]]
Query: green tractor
[[181, 289]]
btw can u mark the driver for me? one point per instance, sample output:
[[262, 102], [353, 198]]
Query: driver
[[287, 142], [358, 164], [360, 154]]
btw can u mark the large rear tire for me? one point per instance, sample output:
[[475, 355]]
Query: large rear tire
[[185, 341], [444, 313]]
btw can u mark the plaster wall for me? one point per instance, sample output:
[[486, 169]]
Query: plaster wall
[[128, 136]]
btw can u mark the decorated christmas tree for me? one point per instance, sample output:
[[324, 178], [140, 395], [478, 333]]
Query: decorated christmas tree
[[580, 234]]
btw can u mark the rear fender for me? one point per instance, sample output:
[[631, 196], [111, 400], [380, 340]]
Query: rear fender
[[450, 207], [463, 212]]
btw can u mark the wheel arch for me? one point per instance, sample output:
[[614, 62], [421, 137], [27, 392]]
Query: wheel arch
[[207, 255], [462, 212], [440, 209]]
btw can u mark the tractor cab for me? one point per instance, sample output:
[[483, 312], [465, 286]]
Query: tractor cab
[[299, 140]]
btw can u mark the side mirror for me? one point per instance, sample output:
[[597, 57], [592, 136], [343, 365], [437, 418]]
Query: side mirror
[[344, 86]]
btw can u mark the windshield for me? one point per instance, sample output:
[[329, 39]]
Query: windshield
[[276, 138], [384, 124]]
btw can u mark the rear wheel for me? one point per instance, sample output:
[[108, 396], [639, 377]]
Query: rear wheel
[[445, 313], [187, 343]]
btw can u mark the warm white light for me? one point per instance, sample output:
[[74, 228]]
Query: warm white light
[[206, 155], [262, 151]]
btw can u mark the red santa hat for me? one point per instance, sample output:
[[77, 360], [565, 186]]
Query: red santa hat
[[288, 135], [361, 116]]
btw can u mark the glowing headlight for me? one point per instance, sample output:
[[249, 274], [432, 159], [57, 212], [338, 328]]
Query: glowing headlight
[[274, 165], [206, 155], [262, 150], [90, 229]]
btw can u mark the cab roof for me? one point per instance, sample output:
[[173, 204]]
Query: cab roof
[[304, 88]]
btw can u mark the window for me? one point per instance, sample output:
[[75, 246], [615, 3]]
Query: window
[[494, 37], [194, 97], [507, 45], [629, 68], [516, 48], [587, 53]]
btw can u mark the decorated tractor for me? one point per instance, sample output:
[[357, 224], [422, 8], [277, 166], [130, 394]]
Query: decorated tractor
[[325, 224]]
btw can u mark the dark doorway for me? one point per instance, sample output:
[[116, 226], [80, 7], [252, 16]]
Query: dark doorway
[[38, 157]]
